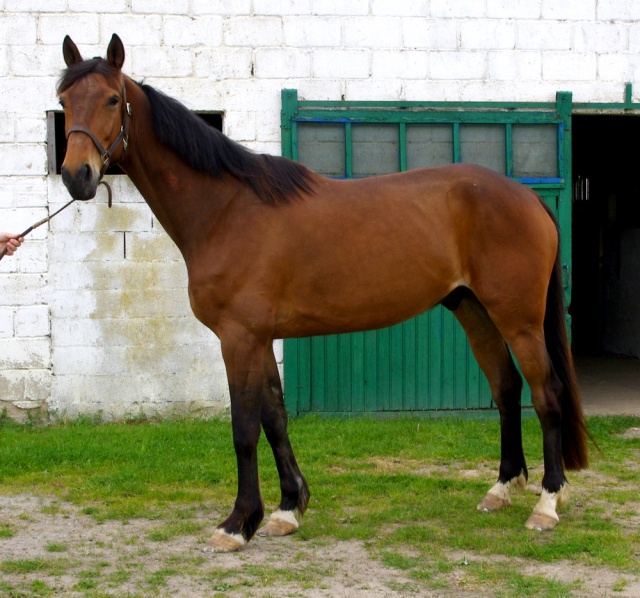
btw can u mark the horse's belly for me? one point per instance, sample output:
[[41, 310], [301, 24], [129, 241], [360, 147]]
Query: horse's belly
[[357, 301]]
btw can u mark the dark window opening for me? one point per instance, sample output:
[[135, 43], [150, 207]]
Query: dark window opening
[[57, 142]]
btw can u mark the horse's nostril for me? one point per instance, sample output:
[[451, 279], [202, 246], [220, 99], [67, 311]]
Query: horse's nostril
[[81, 181]]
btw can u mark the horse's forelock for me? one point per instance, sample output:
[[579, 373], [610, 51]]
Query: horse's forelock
[[81, 69]]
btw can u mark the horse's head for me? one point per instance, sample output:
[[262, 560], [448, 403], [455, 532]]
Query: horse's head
[[93, 96]]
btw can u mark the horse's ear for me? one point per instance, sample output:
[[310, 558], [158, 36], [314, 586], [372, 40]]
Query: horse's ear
[[115, 52], [70, 52]]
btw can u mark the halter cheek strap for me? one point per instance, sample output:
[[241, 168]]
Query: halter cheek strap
[[123, 136]]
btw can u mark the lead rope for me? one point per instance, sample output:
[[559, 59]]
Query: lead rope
[[44, 220]]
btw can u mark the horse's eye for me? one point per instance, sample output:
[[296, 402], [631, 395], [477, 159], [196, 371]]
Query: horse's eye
[[113, 101], [61, 102]]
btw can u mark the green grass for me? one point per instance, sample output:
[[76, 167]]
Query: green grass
[[398, 486]]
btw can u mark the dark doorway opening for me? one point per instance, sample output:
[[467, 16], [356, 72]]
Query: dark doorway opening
[[605, 305]]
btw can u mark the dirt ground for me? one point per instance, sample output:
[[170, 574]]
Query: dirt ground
[[122, 559]]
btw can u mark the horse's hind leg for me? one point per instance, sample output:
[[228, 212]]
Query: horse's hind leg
[[546, 391], [492, 354], [294, 490]]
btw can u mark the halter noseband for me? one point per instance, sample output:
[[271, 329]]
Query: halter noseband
[[123, 136]]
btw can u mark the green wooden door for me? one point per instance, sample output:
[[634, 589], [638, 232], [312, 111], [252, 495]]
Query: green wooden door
[[424, 364]]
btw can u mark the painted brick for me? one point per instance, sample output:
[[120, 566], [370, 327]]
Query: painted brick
[[84, 28], [24, 354], [268, 124], [135, 332], [490, 34], [457, 65], [150, 247], [21, 218], [4, 63], [544, 35], [399, 64], [274, 63], [372, 89], [281, 7], [138, 30], [619, 67], [83, 247], [23, 192], [600, 37], [29, 385], [312, 32], [38, 61], [190, 31], [615, 10], [113, 6], [417, 8], [18, 29], [425, 33], [30, 130], [510, 65], [240, 126], [35, 95], [464, 10], [568, 66], [32, 321], [158, 394], [223, 63], [372, 32], [514, 9], [574, 10], [97, 217], [162, 62], [35, 6], [253, 32], [32, 257], [6, 322], [320, 89], [175, 7], [118, 275], [634, 37], [340, 7], [250, 94], [347, 64], [182, 362], [221, 7]]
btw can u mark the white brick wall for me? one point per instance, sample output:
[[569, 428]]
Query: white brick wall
[[94, 313]]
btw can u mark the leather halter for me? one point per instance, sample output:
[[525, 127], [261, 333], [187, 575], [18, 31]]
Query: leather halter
[[123, 136]]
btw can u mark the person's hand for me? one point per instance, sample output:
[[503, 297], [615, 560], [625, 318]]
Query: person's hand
[[10, 242]]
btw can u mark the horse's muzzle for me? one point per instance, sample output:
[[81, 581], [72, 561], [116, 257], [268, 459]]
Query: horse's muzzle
[[81, 184]]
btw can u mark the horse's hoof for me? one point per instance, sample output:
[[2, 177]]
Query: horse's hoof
[[281, 523], [540, 522], [491, 502], [221, 541], [498, 497]]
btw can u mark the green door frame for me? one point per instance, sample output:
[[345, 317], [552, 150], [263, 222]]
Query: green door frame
[[556, 191]]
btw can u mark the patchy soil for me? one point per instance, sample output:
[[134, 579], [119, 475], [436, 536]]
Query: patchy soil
[[73, 554], [51, 548]]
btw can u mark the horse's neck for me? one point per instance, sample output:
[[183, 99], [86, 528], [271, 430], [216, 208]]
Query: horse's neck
[[186, 202]]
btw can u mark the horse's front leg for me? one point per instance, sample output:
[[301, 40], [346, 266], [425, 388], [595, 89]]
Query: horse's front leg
[[244, 358], [294, 490]]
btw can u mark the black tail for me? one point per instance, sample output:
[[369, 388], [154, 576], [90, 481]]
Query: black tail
[[574, 429]]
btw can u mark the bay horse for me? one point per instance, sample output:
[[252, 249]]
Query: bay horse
[[274, 250]]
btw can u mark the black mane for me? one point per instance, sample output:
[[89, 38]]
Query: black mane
[[275, 180]]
